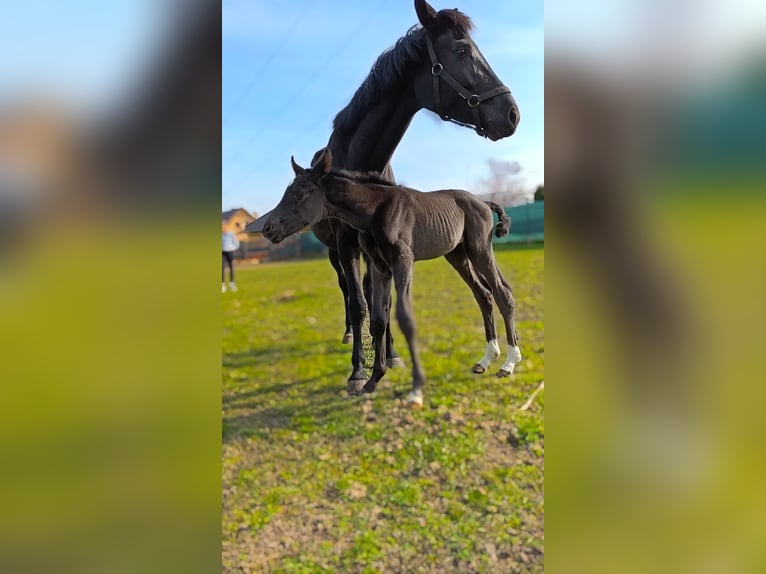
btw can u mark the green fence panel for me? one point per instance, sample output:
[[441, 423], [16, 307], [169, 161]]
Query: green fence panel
[[527, 223]]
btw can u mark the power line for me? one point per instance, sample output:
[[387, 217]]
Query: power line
[[267, 62], [274, 156], [317, 72]]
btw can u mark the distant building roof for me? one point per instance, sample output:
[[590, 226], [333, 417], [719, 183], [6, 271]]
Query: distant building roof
[[226, 215]]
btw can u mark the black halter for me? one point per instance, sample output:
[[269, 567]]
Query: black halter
[[473, 100]]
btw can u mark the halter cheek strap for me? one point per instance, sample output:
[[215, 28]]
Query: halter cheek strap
[[472, 100]]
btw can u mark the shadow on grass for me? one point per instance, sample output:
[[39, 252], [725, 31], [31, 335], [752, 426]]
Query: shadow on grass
[[263, 406], [251, 397], [295, 353], [320, 410]]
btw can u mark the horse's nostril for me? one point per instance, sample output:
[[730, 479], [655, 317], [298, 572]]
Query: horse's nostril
[[266, 229], [513, 116]]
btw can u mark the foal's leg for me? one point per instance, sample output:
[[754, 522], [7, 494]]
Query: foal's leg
[[335, 261], [459, 260], [380, 291], [483, 260], [393, 359], [348, 251], [368, 246], [402, 269]]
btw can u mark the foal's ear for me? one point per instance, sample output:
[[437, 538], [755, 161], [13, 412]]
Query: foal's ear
[[296, 168], [426, 14], [322, 164]]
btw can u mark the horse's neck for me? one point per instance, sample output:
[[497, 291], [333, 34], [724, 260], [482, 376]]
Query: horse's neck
[[370, 146], [354, 204]]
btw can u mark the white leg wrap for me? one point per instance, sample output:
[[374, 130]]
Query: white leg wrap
[[514, 356], [416, 398], [491, 353]]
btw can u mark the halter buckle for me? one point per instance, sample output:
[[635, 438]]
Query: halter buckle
[[473, 101], [437, 69]]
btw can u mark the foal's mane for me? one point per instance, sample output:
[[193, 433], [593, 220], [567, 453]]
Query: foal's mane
[[392, 65], [362, 176]]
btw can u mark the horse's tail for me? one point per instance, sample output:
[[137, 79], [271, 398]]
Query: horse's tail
[[503, 226]]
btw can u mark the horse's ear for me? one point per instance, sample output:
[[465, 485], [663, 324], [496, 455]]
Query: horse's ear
[[426, 14], [296, 168], [322, 164]]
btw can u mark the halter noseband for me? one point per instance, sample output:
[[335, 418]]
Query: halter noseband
[[473, 100]]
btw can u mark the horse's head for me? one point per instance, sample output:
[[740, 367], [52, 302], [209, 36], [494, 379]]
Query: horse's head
[[455, 80], [303, 203]]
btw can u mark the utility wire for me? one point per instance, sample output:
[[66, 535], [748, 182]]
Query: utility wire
[[273, 157], [267, 62], [309, 81]]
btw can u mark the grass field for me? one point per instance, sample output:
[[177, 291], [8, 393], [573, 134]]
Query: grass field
[[316, 481]]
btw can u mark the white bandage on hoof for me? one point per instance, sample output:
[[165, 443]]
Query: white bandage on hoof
[[491, 353], [416, 399], [514, 356]]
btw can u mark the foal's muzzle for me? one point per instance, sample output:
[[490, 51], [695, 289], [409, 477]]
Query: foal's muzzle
[[271, 233]]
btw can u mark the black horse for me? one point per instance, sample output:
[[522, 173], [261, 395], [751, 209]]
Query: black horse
[[437, 67], [397, 227]]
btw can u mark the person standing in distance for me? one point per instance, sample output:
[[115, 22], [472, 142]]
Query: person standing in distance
[[229, 246]]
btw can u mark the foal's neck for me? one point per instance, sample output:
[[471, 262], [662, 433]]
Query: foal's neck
[[351, 202]]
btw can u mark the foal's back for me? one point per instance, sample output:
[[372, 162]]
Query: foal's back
[[434, 223]]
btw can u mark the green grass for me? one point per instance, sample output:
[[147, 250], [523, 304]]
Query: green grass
[[316, 481]]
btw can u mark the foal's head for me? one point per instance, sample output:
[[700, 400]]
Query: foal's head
[[480, 99], [303, 203]]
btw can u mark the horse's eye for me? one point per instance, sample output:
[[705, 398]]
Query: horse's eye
[[461, 51]]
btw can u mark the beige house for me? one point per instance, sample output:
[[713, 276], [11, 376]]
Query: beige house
[[237, 220]]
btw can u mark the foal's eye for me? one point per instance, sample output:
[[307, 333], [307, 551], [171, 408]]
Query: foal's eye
[[461, 52]]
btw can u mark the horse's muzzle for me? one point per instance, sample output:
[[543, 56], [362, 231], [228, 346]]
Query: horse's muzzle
[[514, 117], [497, 128]]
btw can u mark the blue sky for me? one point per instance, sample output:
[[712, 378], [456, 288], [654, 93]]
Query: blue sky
[[289, 67]]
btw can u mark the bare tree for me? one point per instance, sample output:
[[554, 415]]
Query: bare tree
[[505, 184]]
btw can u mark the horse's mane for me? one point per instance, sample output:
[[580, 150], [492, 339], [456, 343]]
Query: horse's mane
[[392, 65], [362, 176]]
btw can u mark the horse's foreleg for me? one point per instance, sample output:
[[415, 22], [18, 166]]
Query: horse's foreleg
[[335, 261], [459, 261]]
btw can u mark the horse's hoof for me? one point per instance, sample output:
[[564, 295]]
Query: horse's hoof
[[355, 386], [368, 388], [394, 362], [416, 401], [502, 373], [347, 338], [478, 369]]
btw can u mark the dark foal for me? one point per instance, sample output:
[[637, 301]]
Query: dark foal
[[436, 66], [398, 226]]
